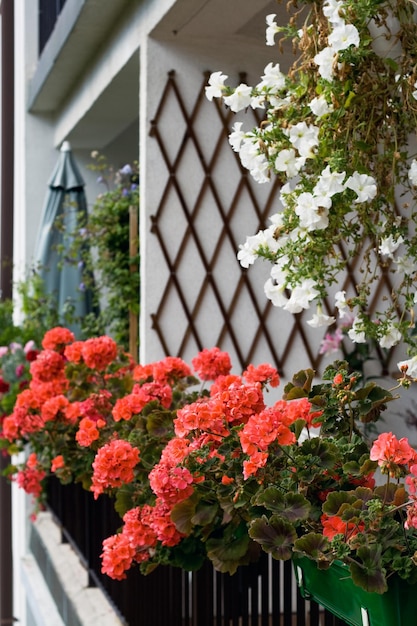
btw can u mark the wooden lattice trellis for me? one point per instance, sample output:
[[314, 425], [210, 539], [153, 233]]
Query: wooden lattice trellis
[[265, 320]]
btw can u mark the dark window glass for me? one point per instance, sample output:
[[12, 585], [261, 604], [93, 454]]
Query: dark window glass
[[48, 15]]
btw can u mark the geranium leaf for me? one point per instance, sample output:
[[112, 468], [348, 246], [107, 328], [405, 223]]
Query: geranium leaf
[[386, 492], [292, 506], [368, 467], [364, 494], [189, 554], [271, 498], [335, 500], [294, 393], [297, 507], [159, 423], [324, 451], [205, 513], [276, 536], [123, 500], [351, 467], [300, 385], [182, 515], [229, 551], [313, 545], [370, 575], [372, 579]]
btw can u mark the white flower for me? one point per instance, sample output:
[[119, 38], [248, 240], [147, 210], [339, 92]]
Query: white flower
[[357, 332], [320, 107], [363, 185], [240, 99], [389, 245], [331, 9], [275, 293], [343, 36], [253, 159], [320, 319], [405, 265], [247, 254], [329, 183], [288, 162], [248, 251], [412, 172], [216, 85], [304, 137], [278, 273], [323, 199], [409, 367], [301, 296], [273, 78], [341, 304], [257, 102], [325, 60], [277, 219], [391, 338], [312, 216], [285, 191], [263, 239], [260, 170], [272, 29], [414, 93], [279, 103], [236, 136]]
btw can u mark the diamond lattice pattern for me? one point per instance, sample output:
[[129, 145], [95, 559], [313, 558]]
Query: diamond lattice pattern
[[208, 205]]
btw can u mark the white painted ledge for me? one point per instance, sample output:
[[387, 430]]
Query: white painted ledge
[[42, 606], [61, 569]]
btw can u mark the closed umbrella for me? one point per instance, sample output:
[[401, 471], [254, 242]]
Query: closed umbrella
[[62, 275]]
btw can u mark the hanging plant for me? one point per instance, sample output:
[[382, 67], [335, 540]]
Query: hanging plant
[[339, 133]]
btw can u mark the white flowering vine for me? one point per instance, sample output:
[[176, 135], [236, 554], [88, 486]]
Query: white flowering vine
[[337, 133]]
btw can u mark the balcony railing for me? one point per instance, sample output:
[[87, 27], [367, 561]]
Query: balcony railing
[[49, 11], [263, 594]]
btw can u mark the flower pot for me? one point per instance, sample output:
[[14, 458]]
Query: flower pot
[[334, 590]]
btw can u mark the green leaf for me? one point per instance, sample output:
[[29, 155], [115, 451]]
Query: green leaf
[[350, 97], [276, 536], [369, 574], [368, 467], [335, 500], [291, 506], [324, 453], [230, 550], [271, 498], [205, 513], [189, 554], [159, 423], [393, 65], [315, 546], [352, 468], [123, 500], [182, 514], [300, 385]]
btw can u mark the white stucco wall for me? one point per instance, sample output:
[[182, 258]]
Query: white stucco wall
[[34, 153]]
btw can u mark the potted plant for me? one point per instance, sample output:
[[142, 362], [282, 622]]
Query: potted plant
[[215, 473], [107, 246]]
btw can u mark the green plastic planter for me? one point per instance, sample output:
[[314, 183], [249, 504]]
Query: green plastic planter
[[334, 590]]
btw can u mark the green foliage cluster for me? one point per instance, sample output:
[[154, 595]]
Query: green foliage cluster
[[109, 252], [116, 270]]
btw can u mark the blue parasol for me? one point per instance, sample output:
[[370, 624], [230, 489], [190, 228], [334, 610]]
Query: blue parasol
[[62, 275]]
